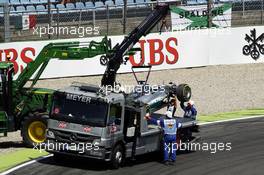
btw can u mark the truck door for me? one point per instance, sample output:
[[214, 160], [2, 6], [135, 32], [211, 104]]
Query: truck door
[[131, 120], [3, 88], [132, 131], [114, 121], [6, 90], [6, 77], [3, 117]]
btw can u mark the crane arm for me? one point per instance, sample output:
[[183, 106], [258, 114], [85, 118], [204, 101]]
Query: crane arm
[[61, 51], [116, 57]]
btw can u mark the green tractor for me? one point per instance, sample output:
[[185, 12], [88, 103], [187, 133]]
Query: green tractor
[[25, 108]]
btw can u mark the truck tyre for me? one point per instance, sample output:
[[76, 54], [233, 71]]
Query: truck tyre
[[184, 92], [117, 157], [33, 129]]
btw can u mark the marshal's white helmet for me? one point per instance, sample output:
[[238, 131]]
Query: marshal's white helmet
[[168, 114]]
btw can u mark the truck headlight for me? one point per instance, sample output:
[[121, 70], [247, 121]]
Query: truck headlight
[[96, 153], [50, 134]]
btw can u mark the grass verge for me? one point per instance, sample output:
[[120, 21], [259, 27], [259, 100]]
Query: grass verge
[[230, 115], [12, 159]]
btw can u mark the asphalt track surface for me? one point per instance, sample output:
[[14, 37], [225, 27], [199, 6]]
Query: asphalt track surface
[[245, 158]]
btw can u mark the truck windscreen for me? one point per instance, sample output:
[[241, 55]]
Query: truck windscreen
[[80, 109]]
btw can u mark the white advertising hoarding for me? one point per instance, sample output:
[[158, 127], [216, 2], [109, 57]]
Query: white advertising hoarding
[[163, 51]]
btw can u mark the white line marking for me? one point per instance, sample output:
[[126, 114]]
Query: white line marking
[[24, 164], [229, 120], [44, 157]]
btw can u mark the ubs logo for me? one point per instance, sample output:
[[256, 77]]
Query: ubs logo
[[255, 45]]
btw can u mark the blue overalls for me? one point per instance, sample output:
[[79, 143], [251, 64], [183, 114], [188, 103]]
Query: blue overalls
[[170, 135], [189, 112]]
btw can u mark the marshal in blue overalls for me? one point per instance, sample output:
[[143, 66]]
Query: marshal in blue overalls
[[169, 126]]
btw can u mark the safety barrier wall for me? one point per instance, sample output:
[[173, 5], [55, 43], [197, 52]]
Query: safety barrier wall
[[164, 51]]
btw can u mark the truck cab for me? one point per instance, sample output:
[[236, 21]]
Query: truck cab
[[113, 123], [81, 114], [6, 73]]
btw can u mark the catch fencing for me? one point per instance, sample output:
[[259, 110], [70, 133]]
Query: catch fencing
[[53, 23]]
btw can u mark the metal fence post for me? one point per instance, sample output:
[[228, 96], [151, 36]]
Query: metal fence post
[[124, 16], [158, 28], [107, 19], [262, 10], [93, 18], [243, 8], [49, 16], [7, 33], [58, 23], [209, 13], [80, 18]]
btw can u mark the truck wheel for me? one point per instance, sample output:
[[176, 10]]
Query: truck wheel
[[117, 157], [33, 130], [184, 92], [186, 135]]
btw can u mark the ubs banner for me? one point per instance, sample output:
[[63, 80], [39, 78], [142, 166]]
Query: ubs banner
[[195, 17], [163, 51]]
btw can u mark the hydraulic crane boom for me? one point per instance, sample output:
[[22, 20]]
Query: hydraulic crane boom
[[62, 51], [116, 57]]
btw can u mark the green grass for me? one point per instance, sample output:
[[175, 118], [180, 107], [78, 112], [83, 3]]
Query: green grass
[[230, 115], [12, 159]]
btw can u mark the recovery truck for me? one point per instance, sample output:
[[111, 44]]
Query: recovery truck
[[91, 121], [24, 107]]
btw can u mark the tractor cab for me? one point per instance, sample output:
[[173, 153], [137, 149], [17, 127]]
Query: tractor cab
[[6, 77]]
